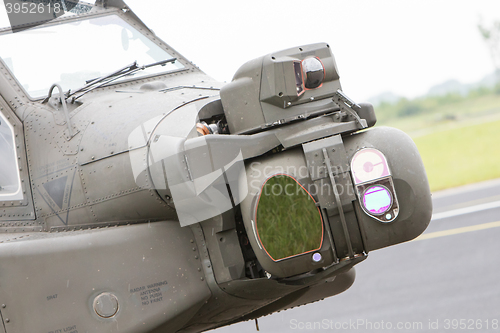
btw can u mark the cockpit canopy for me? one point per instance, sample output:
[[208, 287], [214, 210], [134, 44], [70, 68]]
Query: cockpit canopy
[[71, 52]]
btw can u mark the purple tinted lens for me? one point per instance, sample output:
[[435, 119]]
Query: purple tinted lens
[[316, 257], [377, 200]]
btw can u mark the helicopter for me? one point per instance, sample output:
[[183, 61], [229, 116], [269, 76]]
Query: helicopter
[[138, 194]]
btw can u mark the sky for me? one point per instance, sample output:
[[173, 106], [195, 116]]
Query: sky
[[399, 46]]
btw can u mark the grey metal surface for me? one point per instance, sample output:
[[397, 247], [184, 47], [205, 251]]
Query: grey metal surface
[[411, 185], [266, 86], [62, 273]]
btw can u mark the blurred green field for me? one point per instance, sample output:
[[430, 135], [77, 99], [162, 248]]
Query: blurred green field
[[461, 155], [457, 136], [439, 113]]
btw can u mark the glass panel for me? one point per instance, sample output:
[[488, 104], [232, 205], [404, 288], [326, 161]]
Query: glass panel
[[73, 52], [377, 199], [288, 221], [10, 182]]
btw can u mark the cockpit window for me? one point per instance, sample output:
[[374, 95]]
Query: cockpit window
[[10, 181], [71, 53]]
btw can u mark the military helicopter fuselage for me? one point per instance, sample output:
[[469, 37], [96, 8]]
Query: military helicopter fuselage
[[155, 199]]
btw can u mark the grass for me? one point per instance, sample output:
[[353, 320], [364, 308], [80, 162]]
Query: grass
[[462, 155], [457, 136], [437, 114]]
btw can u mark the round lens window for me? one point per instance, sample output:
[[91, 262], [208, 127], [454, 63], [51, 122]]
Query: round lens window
[[314, 72], [377, 199]]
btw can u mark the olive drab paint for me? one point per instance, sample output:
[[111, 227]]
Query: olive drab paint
[[155, 199]]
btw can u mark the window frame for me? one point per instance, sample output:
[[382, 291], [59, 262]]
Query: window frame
[[18, 215], [18, 195]]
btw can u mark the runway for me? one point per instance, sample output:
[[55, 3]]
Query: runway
[[445, 280]]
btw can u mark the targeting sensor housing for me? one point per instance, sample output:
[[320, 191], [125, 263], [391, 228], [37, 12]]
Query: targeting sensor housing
[[281, 87]]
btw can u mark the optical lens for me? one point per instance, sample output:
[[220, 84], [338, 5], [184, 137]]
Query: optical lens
[[314, 72], [377, 200]]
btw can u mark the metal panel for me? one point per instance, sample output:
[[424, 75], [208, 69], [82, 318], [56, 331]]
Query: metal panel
[[328, 163], [154, 271]]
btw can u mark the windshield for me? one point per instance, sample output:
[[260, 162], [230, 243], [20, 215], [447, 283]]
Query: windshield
[[71, 53]]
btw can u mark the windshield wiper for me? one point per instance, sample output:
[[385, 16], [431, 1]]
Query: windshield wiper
[[128, 68], [103, 80]]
